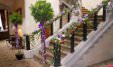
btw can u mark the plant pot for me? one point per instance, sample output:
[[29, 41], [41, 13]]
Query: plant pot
[[19, 56]]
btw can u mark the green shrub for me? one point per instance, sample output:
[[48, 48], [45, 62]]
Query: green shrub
[[16, 18]]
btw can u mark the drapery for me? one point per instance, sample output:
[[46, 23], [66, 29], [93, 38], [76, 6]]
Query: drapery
[[3, 18], [1, 23]]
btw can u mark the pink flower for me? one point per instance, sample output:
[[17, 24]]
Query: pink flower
[[47, 22], [109, 65], [80, 20]]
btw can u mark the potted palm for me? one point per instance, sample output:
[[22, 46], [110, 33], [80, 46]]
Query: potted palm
[[42, 12], [16, 19]]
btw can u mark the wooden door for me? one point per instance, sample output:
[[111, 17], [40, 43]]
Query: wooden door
[[48, 31]]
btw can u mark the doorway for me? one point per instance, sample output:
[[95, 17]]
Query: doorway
[[4, 24]]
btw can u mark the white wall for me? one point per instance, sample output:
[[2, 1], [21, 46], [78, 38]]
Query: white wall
[[55, 6], [29, 24]]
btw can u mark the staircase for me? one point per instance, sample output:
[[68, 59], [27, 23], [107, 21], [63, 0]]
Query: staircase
[[65, 48], [84, 10]]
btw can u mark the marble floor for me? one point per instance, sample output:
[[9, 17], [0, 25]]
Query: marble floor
[[7, 57]]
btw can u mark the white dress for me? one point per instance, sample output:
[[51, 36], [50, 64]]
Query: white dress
[[75, 17]]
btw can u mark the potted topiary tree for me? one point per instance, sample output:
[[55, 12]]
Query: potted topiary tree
[[42, 12], [16, 19]]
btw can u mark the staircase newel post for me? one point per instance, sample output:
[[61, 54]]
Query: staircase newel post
[[57, 54], [95, 22], [104, 12], [84, 31], [72, 38]]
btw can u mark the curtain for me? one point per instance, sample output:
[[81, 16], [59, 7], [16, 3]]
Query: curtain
[[1, 24], [2, 18]]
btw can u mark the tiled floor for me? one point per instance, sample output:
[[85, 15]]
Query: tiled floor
[[7, 58]]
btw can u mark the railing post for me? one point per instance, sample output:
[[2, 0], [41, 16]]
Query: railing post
[[72, 38], [68, 16], [104, 12], [52, 29], [57, 55], [84, 31], [27, 42], [61, 22], [95, 22]]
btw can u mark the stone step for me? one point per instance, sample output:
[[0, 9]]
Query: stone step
[[49, 55], [75, 42], [81, 30], [89, 25], [78, 33]]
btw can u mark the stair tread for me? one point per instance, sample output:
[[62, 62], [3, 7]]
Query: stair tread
[[76, 42], [40, 58], [82, 29], [47, 53]]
